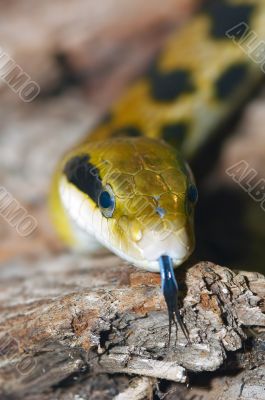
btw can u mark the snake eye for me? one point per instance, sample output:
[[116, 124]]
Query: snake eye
[[192, 194], [106, 202]]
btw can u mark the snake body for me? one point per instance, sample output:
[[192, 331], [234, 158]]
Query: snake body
[[127, 185]]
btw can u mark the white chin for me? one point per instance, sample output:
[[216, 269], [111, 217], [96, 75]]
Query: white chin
[[153, 266], [175, 245]]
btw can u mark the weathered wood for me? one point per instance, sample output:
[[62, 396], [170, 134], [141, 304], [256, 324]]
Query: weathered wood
[[79, 314]]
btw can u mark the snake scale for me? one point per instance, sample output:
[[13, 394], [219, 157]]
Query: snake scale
[[128, 186]]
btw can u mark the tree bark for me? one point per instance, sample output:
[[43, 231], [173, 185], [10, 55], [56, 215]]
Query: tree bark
[[77, 316]]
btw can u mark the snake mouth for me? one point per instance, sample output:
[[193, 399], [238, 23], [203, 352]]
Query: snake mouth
[[146, 252], [178, 246]]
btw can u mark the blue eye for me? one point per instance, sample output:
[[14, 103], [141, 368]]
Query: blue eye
[[192, 194], [106, 202]]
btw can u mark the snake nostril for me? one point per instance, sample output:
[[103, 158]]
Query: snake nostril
[[161, 211]]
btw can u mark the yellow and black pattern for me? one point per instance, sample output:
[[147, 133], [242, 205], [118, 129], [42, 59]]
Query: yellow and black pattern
[[199, 77], [149, 181], [128, 185], [196, 81]]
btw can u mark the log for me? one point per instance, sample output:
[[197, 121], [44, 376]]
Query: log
[[99, 315]]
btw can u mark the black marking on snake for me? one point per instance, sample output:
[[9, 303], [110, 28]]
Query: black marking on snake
[[168, 86], [230, 80], [84, 175], [175, 133], [128, 130], [225, 16]]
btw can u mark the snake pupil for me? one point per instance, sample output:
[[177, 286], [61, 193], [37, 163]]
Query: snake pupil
[[105, 200], [193, 194]]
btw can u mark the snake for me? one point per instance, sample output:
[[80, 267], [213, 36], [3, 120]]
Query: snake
[[128, 185]]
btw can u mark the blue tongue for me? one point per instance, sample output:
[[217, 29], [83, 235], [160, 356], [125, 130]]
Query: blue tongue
[[170, 291]]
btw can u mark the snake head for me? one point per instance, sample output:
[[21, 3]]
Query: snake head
[[136, 196]]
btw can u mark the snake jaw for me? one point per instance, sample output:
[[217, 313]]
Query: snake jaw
[[170, 291], [177, 245]]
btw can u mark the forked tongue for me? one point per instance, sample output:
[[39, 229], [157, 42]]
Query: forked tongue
[[170, 290]]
